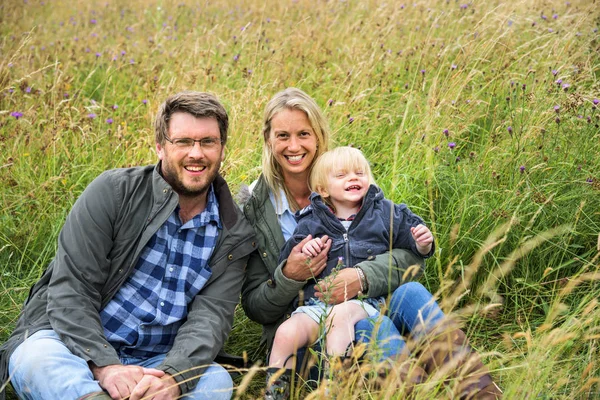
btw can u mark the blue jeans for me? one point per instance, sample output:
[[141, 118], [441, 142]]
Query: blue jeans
[[412, 310], [43, 368]]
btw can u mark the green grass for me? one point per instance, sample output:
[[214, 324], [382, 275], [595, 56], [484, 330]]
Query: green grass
[[518, 248]]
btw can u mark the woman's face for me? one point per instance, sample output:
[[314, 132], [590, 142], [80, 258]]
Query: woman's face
[[293, 142]]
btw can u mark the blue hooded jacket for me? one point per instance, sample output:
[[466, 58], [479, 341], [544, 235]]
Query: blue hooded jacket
[[369, 234]]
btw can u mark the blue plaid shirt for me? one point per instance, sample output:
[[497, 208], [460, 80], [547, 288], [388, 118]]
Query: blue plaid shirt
[[147, 311]]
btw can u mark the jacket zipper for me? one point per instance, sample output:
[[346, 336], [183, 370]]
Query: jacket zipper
[[347, 249]]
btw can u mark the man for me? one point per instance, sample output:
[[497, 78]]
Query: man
[[141, 293]]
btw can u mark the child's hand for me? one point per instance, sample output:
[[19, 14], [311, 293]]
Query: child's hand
[[313, 247], [423, 238]]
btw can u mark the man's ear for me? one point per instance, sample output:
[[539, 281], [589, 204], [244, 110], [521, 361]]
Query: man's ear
[[159, 151]]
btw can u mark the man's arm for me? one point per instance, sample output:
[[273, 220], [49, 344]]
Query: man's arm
[[79, 274]]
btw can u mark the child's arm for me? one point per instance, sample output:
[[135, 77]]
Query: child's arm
[[313, 247], [423, 238], [404, 223]]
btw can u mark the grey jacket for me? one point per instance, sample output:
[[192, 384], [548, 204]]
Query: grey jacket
[[98, 248], [268, 296]]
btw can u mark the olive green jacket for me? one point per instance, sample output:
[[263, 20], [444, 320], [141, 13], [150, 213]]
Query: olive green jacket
[[98, 248], [267, 295]]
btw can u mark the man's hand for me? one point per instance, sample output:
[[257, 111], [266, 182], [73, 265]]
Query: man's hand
[[301, 267], [423, 238], [153, 387], [120, 380], [344, 286]]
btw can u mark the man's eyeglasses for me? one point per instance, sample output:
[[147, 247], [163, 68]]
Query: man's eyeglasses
[[209, 143]]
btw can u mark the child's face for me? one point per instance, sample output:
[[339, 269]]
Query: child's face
[[347, 189]]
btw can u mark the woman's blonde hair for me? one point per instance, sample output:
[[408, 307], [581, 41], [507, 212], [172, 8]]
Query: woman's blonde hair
[[343, 159], [290, 99]]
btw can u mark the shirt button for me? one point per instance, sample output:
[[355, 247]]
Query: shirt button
[[265, 254], [270, 283], [230, 257], [171, 269], [162, 303]]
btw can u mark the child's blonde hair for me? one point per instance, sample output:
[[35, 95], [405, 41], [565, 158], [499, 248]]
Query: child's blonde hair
[[342, 158]]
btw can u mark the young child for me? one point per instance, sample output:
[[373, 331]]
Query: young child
[[348, 208]]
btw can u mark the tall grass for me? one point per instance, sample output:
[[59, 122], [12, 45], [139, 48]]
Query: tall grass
[[481, 116]]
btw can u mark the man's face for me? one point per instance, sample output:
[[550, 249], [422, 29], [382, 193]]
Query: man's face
[[190, 170]]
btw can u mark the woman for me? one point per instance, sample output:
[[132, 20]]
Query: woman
[[295, 134]]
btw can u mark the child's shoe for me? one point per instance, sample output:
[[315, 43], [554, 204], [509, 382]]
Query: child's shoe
[[278, 384]]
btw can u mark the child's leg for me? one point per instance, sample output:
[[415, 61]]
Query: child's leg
[[340, 326], [298, 331]]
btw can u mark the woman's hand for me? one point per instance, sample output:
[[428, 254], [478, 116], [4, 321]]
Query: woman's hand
[[344, 286], [301, 267]]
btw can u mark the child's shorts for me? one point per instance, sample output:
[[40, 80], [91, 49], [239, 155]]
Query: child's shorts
[[318, 310]]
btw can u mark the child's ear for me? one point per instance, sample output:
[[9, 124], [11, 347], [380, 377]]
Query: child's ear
[[322, 191]]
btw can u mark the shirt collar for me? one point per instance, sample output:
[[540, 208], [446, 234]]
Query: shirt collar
[[208, 215], [282, 205]]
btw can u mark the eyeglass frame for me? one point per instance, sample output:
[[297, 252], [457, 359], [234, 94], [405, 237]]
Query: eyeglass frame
[[219, 141]]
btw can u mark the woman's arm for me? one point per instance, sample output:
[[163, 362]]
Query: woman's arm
[[383, 274], [267, 297]]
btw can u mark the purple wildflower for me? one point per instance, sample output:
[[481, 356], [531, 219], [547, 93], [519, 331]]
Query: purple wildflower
[[16, 114], [350, 120], [145, 101], [109, 121], [114, 107], [555, 16], [11, 90], [330, 102], [91, 115], [98, 55], [28, 89], [446, 132], [566, 86], [558, 81], [453, 66], [436, 149], [589, 180], [236, 57], [557, 109], [595, 101], [554, 72], [451, 145], [509, 129], [93, 21], [522, 168], [123, 53], [423, 71], [132, 61]]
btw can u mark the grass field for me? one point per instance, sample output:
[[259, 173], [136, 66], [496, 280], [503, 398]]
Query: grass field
[[482, 116]]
